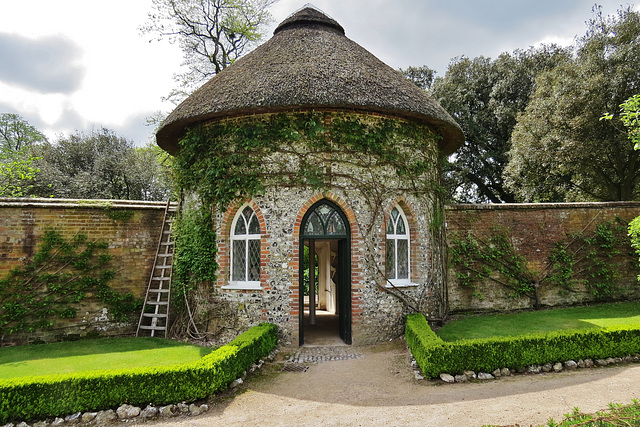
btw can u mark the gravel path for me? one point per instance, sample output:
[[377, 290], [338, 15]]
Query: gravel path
[[366, 386]]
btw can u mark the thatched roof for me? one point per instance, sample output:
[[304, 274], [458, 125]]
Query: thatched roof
[[308, 64]]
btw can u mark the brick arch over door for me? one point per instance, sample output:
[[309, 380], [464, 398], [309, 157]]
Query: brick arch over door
[[356, 248]]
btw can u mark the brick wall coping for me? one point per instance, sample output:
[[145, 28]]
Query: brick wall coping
[[34, 202], [513, 206]]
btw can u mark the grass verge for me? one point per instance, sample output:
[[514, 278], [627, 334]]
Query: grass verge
[[29, 398], [92, 355], [616, 415], [513, 324]]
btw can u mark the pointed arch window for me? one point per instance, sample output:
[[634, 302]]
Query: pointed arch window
[[245, 249], [398, 248], [324, 220]]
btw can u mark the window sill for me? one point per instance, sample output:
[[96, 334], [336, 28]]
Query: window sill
[[246, 286], [402, 285]]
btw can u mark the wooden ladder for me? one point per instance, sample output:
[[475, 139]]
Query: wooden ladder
[[154, 318]]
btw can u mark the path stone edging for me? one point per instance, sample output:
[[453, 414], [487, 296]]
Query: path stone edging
[[568, 365]]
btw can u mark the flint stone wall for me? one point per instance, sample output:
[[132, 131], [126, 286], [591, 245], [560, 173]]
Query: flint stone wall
[[376, 315]]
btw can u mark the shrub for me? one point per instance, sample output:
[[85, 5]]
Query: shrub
[[47, 396], [435, 356]]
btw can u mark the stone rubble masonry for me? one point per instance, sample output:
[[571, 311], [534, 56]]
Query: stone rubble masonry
[[132, 244], [535, 229], [376, 315]]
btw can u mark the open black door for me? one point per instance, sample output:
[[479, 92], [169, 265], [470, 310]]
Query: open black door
[[344, 289], [326, 221], [301, 295]]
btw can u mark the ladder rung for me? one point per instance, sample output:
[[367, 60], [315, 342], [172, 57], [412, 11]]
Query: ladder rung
[[162, 277]]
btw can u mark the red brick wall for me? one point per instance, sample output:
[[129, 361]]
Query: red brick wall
[[132, 244], [534, 228]]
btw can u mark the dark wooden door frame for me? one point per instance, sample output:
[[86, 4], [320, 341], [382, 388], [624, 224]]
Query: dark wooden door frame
[[343, 274]]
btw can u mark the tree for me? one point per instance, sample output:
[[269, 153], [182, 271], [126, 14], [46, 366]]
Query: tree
[[211, 33], [630, 117], [561, 150], [151, 169], [16, 163], [485, 97], [16, 174], [421, 76], [98, 165], [16, 133]]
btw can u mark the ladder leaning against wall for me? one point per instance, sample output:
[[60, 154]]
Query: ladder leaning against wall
[[154, 319]]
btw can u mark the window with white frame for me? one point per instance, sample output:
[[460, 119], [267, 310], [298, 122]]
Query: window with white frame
[[245, 249], [398, 248]]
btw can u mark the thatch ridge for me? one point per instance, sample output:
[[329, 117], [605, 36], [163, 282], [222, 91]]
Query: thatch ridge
[[309, 16], [308, 64]]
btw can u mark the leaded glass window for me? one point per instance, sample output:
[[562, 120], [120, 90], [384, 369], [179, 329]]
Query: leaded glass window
[[245, 247], [325, 221], [398, 249]]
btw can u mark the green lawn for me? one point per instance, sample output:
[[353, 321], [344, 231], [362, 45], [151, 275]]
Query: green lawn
[[598, 316], [90, 355]]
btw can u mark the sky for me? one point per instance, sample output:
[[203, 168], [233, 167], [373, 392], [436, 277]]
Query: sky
[[71, 66]]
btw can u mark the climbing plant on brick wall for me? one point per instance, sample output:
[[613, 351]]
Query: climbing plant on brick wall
[[52, 284], [592, 259]]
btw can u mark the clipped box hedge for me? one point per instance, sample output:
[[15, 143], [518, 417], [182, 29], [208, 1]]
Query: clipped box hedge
[[435, 356], [30, 398]]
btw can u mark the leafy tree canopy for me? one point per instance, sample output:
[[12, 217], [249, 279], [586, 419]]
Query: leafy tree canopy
[[561, 151], [16, 133], [100, 165], [422, 77], [16, 173], [485, 96], [630, 117]]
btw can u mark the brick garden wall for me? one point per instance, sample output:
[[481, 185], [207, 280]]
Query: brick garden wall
[[534, 230], [132, 244]]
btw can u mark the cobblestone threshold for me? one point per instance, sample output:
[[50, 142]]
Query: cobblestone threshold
[[323, 354]]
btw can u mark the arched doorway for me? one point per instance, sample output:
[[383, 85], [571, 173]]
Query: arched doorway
[[326, 237]]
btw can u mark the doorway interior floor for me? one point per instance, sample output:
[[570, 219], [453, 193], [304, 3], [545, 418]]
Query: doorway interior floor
[[325, 332]]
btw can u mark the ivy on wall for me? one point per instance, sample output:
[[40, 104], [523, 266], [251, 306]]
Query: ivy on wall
[[194, 269], [237, 159], [55, 280], [195, 250], [381, 157], [592, 259]]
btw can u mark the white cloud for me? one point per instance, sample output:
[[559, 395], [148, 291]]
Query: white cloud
[[124, 76]]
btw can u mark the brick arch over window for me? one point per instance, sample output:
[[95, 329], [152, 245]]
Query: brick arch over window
[[414, 236], [356, 248], [225, 246]]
